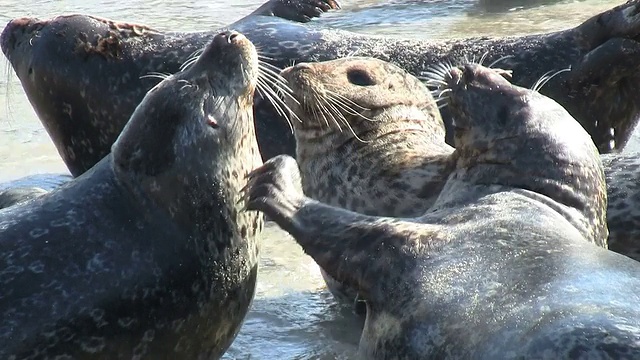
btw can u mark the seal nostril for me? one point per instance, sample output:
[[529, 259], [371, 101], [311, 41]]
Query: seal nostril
[[233, 36], [30, 71]]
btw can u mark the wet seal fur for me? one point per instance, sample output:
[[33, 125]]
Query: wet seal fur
[[369, 139], [29, 187], [503, 265], [148, 254], [50, 59], [83, 123]]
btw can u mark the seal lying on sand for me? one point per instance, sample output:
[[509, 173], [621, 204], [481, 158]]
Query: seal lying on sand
[[148, 254], [503, 265], [55, 59], [83, 123]]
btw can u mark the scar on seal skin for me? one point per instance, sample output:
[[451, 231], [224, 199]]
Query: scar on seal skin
[[148, 254], [504, 264]]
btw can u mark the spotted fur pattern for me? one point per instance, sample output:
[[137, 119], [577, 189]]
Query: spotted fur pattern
[[148, 254], [495, 269]]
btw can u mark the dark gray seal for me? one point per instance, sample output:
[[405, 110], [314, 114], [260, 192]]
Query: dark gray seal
[[29, 187], [147, 254], [623, 192], [55, 59], [504, 264], [77, 118]]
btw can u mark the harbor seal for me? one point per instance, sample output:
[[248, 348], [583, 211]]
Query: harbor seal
[[370, 139], [147, 254], [77, 118], [503, 265], [55, 59]]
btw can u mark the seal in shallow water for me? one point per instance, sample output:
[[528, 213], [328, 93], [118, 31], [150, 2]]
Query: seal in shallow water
[[55, 59], [148, 254], [504, 264], [82, 122]]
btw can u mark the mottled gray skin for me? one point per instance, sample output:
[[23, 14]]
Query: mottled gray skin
[[82, 58], [29, 187], [147, 254], [67, 64], [404, 163], [18, 195], [370, 139], [623, 192], [499, 267]]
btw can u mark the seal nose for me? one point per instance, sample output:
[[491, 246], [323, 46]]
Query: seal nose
[[230, 37], [12, 32]]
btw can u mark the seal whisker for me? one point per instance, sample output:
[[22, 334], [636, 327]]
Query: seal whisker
[[156, 75], [346, 100], [340, 104], [267, 92], [544, 79], [270, 70], [483, 58], [278, 82], [499, 60]]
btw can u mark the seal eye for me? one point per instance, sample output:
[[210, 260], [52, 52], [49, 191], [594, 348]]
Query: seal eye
[[359, 77]]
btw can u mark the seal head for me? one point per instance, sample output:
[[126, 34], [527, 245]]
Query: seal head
[[508, 131]]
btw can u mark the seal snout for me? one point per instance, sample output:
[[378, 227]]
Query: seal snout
[[229, 38], [13, 32]]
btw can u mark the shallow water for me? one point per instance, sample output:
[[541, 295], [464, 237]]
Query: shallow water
[[293, 316]]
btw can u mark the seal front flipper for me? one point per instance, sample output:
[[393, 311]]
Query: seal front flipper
[[296, 10], [342, 242]]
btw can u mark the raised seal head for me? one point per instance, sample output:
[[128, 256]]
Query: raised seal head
[[503, 131]]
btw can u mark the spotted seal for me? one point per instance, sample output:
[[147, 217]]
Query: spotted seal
[[370, 139], [77, 119], [504, 265], [55, 58], [148, 253]]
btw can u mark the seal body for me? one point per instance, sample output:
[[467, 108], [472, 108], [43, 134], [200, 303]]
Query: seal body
[[623, 213], [55, 59], [371, 140], [29, 187], [147, 254], [504, 264]]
